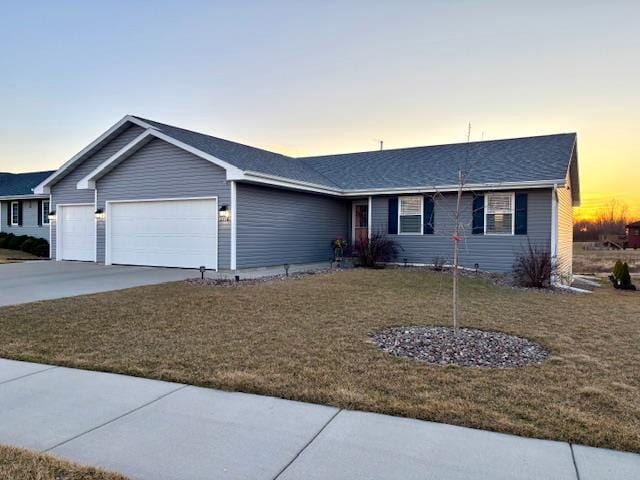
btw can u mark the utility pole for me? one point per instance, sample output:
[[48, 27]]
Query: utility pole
[[381, 144]]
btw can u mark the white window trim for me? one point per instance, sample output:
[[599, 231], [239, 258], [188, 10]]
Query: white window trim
[[513, 214], [421, 232], [45, 218], [17, 223]]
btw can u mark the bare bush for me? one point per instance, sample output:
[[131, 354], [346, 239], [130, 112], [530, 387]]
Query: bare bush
[[377, 249], [534, 267], [439, 263]]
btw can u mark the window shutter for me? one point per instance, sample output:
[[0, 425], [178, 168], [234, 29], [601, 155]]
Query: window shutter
[[20, 212], [39, 212], [392, 226], [521, 214], [428, 215], [478, 215], [8, 213]]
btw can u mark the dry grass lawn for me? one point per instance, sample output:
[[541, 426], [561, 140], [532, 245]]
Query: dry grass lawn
[[307, 340], [20, 464], [601, 261], [11, 256]]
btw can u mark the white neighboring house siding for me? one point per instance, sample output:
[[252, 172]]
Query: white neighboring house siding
[[65, 191], [564, 234]]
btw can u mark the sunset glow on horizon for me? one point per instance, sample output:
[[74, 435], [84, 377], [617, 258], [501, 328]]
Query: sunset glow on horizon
[[304, 79]]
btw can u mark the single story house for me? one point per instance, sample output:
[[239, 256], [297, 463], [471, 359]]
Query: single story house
[[21, 211], [147, 193]]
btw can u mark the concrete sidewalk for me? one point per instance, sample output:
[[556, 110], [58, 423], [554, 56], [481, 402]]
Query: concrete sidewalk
[[148, 429]]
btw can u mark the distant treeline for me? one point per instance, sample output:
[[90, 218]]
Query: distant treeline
[[608, 221]]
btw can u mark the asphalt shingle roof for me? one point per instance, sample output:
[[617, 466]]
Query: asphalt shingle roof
[[20, 183], [528, 159], [514, 160], [245, 157]]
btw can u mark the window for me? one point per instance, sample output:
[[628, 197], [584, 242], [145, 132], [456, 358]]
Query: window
[[15, 213], [499, 214], [45, 212], [410, 215]]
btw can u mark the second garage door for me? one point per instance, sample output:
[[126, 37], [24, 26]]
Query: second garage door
[[164, 233]]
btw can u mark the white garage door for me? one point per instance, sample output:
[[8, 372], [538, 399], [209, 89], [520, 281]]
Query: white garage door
[[163, 233], [76, 232]]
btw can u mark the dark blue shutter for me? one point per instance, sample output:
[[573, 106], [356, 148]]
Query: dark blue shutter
[[428, 215], [20, 212], [8, 213], [478, 215], [521, 214], [393, 216], [39, 212]]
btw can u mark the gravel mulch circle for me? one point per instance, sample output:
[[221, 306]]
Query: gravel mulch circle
[[243, 282], [470, 348]]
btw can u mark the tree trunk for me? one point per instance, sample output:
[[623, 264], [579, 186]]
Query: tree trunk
[[456, 241]]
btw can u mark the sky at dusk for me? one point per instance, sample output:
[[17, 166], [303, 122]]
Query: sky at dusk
[[305, 78]]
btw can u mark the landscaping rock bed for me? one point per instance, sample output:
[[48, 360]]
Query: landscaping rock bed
[[469, 348], [231, 282]]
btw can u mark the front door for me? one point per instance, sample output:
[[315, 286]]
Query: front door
[[360, 223]]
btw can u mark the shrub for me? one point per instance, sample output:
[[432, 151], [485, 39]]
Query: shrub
[[28, 245], [379, 248], [4, 239], [439, 263], [36, 246], [15, 242], [41, 249], [534, 268], [617, 270]]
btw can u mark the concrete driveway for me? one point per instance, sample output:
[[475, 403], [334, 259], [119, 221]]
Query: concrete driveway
[[149, 429], [33, 281]]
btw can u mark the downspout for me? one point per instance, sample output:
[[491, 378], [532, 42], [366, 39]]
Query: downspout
[[234, 207], [554, 234]]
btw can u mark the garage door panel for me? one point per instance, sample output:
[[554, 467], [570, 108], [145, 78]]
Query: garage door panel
[[76, 232], [171, 233]]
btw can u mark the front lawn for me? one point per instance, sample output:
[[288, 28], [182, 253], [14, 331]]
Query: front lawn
[[11, 256], [307, 339], [20, 464]]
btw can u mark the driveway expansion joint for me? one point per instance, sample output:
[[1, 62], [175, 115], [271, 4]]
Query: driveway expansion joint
[[306, 445], [29, 374], [575, 464], [115, 419]]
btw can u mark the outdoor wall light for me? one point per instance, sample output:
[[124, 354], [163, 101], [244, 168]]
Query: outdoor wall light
[[100, 214], [52, 215], [224, 214]]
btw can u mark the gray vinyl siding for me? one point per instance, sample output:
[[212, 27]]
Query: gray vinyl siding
[[29, 220], [275, 226], [495, 253], [161, 170], [65, 190], [565, 234]]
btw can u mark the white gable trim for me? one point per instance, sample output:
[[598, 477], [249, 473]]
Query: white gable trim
[[44, 187], [88, 182]]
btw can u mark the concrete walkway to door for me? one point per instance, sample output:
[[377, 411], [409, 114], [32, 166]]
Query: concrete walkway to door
[[148, 429], [44, 280]]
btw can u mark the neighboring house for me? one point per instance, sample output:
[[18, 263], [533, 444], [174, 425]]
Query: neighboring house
[[633, 235], [21, 211], [146, 193]]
